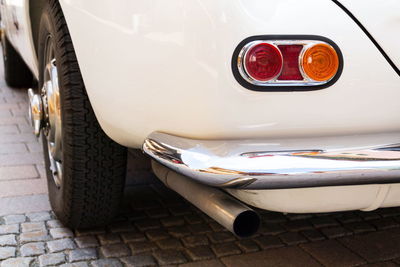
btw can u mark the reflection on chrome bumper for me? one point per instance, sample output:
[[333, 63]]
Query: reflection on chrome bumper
[[258, 164]]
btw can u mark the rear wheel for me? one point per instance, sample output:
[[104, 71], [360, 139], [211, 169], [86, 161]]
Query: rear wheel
[[16, 73], [85, 168]]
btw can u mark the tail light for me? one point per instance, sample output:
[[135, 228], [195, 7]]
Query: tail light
[[287, 63]]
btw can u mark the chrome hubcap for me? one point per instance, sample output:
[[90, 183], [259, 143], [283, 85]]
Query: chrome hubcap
[[52, 112], [45, 112]]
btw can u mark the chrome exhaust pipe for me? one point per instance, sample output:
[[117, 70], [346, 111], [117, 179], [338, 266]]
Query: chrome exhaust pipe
[[226, 210]]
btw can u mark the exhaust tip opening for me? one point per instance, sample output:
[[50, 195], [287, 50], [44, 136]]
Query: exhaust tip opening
[[246, 223]]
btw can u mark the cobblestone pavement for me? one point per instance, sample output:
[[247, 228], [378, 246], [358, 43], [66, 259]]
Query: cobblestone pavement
[[157, 227]]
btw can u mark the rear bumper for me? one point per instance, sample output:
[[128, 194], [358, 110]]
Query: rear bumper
[[262, 164]]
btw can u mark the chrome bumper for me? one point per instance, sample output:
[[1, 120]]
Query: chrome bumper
[[271, 164]]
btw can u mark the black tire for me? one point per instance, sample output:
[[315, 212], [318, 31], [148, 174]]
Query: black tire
[[16, 73], [94, 166]]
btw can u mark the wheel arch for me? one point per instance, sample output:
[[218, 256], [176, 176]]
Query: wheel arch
[[35, 12]]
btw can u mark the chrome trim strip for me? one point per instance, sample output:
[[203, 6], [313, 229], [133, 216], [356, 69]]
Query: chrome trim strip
[[253, 164]]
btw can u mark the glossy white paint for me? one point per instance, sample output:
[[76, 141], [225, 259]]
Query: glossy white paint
[[155, 65], [17, 24], [382, 20], [322, 199], [165, 66]]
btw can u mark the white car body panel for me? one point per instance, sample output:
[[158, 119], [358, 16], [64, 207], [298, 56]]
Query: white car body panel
[[166, 66], [323, 199], [382, 20], [17, 12]]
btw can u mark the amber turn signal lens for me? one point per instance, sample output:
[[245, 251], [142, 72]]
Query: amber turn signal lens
[[320, 62]]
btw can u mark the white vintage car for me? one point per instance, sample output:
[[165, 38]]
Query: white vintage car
[[283, 105]]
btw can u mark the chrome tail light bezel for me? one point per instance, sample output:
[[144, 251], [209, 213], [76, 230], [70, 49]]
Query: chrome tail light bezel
[[307, 84]]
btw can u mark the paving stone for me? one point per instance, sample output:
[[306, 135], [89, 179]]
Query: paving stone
[[9, 229], [273, 257], [375, 246], [200, 253], [34, 147], [20, 262], [82, 254], [12, 172], [267, 242], [139, 260], [360, 227], [195, 240], [33, 227], [17, 138], [298, 216], [271, 229], [370, 215], [158, 234], [248, 245], [108, 239], [14, 219], [51, 259], [7, 252], [313, 235], [193, 219], [54, 224], [180, 210], [115, 250], [389, 212], [170, 243], [381, 264], [132, 236], [292, 238], [147, 224], [86, 241], [8, 129], [178, 231], [335, 232], [349, 218], [142, 246], [35, 236], [39, 216], [75, 264], [385, 223], [226, 249], [106, 263], [121, 227], [172, 221], [273, 217], [32, 249], [221, 237], [60, 245], [7, 240], [92, 231], [18, 172], [320, 222], [205, 263], [298, 225], [332, 253], [216, 227], [57, 233], [165, 257], [157, 213], [200, 228]]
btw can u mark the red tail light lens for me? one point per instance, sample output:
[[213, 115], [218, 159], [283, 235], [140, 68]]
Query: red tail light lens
[[291, 70], [263, 62], [287, 63]]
